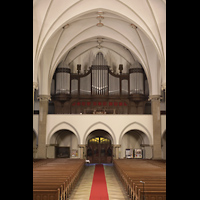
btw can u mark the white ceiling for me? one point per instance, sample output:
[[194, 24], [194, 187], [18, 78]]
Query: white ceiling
[[67, 31]]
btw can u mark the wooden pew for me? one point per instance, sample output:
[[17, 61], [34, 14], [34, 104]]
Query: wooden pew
[[54, 179], [132, 171]]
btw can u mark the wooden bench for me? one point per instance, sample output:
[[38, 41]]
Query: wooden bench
[[54, 179], [132, 171]]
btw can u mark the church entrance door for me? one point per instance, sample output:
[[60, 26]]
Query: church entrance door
[[99, 150]]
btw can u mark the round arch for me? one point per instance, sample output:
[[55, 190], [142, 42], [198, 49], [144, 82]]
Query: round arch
[[136, 126], [61, 126], [97, 126]]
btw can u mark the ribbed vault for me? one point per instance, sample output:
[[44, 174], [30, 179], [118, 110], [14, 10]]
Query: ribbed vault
[[74, 31]]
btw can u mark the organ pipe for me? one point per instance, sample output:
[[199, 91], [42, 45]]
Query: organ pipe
[[136, 81], [63, 81]]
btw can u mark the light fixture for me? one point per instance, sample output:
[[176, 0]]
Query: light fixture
[[99, 17], [133, 26]]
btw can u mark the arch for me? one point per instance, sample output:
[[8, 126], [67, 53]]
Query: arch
[[116, 38], [35, 132], [162, 134], [136, 126], [35, 138], [150, 30], [97, 126], [60, 126]]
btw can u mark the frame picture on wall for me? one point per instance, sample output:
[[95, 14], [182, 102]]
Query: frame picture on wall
[[74, 153]]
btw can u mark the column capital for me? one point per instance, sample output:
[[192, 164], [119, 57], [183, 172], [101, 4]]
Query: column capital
[[163, 86], [81, 145], [35, 86], [116, 145], [44, 98], [154, 97]]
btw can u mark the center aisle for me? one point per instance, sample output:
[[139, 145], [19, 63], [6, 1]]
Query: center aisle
[[114, 187]]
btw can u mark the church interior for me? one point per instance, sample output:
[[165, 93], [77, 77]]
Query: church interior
[[99, 99]]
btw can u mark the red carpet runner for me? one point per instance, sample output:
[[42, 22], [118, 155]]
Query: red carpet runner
[[99, 187]]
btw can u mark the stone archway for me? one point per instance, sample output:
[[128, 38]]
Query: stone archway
[[63, 144], [136, 139], [99, 147]]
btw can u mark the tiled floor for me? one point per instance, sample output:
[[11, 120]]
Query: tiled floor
[[114, 186]]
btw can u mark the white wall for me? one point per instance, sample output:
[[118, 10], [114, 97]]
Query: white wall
[[116, 125]]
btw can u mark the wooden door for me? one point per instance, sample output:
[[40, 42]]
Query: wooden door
[[99, 150]]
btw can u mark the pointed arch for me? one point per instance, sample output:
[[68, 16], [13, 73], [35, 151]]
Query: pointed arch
[[136, 126], [102, 126], [60, 126]]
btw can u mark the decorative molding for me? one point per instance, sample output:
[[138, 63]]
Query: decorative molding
[[154, 97], [44, 98], [63, 70], [81, 145], [136, 70], [116, 145]]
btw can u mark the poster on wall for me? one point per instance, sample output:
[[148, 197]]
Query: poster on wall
[[74, 153], [137, 153], [129, 153]]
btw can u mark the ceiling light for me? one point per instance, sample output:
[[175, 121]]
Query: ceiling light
[[100, 24]]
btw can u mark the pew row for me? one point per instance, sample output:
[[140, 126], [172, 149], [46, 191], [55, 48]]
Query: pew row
[[142, 178], [54, 179]]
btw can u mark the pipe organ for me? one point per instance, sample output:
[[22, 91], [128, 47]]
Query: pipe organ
[[99, 90]]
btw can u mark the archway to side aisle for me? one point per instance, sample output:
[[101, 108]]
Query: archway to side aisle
[[135, 144], [99, 148], [63, 144]]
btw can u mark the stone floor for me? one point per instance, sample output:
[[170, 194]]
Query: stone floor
[[114, 186]]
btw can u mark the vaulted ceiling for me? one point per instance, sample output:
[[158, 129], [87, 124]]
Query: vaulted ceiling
[[126, 32]]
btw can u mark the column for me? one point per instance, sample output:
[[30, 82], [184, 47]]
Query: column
[[163, 87], [117, 146], [35, 87], [82, 147], [155, 110], [41, 152]]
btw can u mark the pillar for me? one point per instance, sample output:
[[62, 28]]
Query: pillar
[[82, 147], [117, 146], [41, 152], [35, 87], [155, 110]]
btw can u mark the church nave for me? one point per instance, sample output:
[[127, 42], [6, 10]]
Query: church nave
[[114, 186]]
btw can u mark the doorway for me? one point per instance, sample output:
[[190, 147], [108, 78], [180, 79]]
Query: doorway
[[99, 150]]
